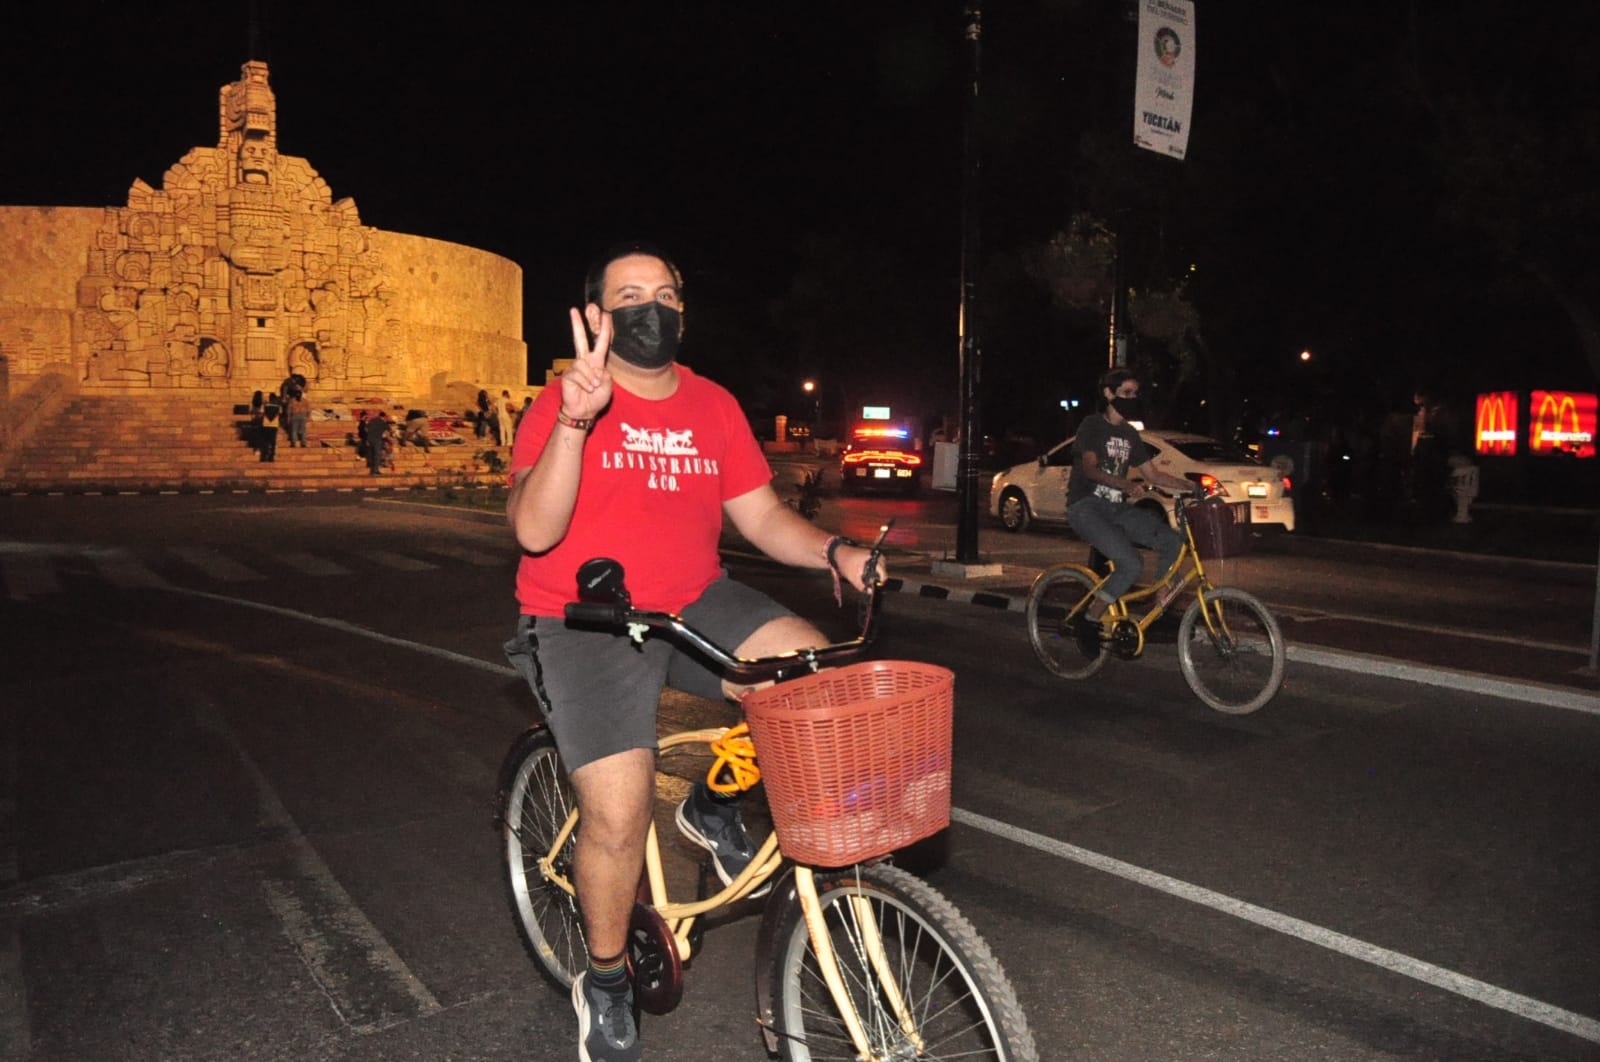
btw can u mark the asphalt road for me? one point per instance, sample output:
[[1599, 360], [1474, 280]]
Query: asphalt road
[[247, 773]]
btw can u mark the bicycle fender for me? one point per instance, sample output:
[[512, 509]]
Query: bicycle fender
[[784, 897]]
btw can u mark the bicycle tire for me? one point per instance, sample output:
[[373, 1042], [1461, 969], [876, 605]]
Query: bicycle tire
[[535, 801], [1242, 669], [955, 989], [1053, 596]]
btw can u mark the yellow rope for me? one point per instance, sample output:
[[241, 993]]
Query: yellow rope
[[735, 751]]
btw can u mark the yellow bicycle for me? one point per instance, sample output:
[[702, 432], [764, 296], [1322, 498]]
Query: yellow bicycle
[[855, 958], [1230, 648]]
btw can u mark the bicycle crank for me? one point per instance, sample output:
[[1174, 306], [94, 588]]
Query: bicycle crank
[[1126, 640], [653, 954]]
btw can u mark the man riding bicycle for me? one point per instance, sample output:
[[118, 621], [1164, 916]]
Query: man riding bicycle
[[1101, 495], [635, 457]]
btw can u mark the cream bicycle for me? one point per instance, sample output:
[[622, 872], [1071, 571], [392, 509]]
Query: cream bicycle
[[855, 958]]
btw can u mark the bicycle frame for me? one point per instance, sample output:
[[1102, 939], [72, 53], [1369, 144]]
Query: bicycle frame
[[608, 605], [1121, 615], [679, 917]]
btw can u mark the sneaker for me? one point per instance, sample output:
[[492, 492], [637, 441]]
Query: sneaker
[[719, 829], [607, 1031]]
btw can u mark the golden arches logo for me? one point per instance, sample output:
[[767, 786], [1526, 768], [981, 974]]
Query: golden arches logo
[[1559, 423], [1496, 429]]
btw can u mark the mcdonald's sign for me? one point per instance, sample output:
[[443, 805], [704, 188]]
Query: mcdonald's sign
[[1496, 428], [1562, 422]]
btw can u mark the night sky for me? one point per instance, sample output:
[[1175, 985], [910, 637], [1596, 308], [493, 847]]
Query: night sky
[[805, 162]]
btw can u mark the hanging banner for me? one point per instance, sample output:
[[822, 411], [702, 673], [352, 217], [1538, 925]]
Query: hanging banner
[[1163, 87]]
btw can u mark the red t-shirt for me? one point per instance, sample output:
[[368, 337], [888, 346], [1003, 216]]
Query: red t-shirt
[[655, 475]]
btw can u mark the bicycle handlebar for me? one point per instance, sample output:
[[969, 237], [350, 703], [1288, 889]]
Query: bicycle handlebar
[[604, 602]]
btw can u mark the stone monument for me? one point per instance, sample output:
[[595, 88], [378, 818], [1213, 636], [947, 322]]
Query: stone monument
[[242, 269]]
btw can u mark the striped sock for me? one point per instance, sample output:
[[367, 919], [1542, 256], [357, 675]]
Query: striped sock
[[609, 973]]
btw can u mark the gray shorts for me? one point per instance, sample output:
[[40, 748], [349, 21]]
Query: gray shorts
[[598, 691]]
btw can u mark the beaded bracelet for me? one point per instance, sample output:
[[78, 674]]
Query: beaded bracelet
[[581, 423]]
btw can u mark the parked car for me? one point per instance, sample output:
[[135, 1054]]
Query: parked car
[[880, 458], [1037, 490]]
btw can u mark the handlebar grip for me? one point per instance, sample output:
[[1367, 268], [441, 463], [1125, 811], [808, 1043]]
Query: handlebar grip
[[598, 613]]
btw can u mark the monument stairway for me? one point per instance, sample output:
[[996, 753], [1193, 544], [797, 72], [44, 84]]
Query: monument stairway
[[98, 443]]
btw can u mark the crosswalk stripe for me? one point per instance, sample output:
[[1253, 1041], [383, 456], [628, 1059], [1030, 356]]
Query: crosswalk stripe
[[28, 575], [475, 557], [216, 565], [398, 561], [310, 564], [124, 570]]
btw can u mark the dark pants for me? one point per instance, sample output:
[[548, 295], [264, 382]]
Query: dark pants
[[1117, 529], [269, 443]]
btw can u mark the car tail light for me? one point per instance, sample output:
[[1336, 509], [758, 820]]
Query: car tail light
[[1212, 485], [1287, 486], [855, 457]]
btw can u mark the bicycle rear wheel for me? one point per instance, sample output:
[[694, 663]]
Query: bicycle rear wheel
[[1055, 593], [535, 801], [1239, 667], [956, 994]]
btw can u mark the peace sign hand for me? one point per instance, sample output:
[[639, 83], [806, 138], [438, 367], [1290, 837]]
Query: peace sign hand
[[586, 384]]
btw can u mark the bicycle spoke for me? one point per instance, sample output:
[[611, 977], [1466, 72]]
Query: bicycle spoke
[[917, 992], [1235, 663]]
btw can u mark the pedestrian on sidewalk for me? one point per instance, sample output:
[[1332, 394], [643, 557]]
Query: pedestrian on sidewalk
[[271, 414], [299, 416]]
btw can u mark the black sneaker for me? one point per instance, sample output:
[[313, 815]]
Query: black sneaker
[[606, 1029], [719, 829]]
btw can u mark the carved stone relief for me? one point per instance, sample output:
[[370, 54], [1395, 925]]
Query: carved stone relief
[[242, 249]]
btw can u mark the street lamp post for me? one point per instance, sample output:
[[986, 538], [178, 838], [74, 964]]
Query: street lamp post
[[810, 388]]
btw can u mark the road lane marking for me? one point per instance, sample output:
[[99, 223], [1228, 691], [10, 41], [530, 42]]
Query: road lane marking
[[1491, 995], [310, 564], [476, 557], [28, 575], [353, 628], [337, 943], [398, 561], [1530, 692], [122, 569], [217, 565], [1393, 961], [1300, 615]]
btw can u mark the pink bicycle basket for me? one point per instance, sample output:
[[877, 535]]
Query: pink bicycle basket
[[856, 760]]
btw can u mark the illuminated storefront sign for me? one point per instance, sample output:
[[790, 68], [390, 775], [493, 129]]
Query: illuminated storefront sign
[[1496, 430], [1561, 422]]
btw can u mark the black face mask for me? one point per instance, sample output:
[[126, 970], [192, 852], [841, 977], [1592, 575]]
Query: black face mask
[[646, 336], [1128, 408]]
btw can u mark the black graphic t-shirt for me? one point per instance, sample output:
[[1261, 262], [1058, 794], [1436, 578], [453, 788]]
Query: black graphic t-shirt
[[1118, 448]]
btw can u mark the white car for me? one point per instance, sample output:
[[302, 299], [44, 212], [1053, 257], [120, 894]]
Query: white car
[[1037, 490]]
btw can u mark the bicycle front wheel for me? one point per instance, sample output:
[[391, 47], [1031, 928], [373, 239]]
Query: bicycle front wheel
[[1055, 593], [896, 939], [536, 800], [1237, 667]]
